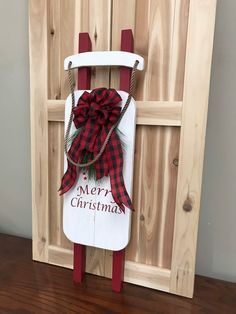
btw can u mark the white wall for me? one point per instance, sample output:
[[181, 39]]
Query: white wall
[[15, 193], [216, 255]]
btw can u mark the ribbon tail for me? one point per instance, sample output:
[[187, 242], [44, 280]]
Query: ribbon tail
[[68, 179], [70, 175], [118, 190]]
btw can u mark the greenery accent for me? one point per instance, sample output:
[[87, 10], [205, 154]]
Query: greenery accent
[[91, 169], [73, 135]]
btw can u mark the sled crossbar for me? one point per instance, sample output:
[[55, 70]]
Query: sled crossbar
[[104, 58]]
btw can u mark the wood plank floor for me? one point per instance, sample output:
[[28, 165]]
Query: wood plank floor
[[31, 287]]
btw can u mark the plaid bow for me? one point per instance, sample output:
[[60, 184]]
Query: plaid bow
[[96, 113]]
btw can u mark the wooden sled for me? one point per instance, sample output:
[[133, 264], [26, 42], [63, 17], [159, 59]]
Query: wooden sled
[[90, 215]]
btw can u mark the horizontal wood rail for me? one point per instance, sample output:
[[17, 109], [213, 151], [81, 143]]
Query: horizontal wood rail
[[150, 276], [136, 273], [148, 112]]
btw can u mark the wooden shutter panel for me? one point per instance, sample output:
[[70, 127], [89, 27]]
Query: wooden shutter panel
[[175, 37]]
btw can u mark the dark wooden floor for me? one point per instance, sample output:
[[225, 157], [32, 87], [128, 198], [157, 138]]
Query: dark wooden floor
[[31, 287]]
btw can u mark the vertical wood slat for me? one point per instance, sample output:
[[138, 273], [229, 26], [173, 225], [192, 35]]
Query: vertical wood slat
[[156, 43], [55, 157], [39, 127], [84, 74], [123, 17], [178, 50], [66, 45], [154, 190], [192, 141], [94, 17], [54, 57], [57, 88]]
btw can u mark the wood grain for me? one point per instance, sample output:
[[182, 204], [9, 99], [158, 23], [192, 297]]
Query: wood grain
[[178, 50], [148, 112], [60, 256], [65, 20], [160, 37], [120, 22], [53, 38], [192, 141], [159, 113], [154, 190], [66, 44], [56, 158], [39, 127], [155, 42], [148, 276], [39, 288]]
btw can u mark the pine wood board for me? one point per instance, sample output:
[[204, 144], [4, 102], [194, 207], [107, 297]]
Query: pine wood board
[[56, 157], [148, 112], [154, 187], [192, 141], [160, 29], [39, 128], [136, 273]]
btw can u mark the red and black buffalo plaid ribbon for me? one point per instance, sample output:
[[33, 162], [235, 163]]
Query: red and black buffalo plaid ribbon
[[95, 114]]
